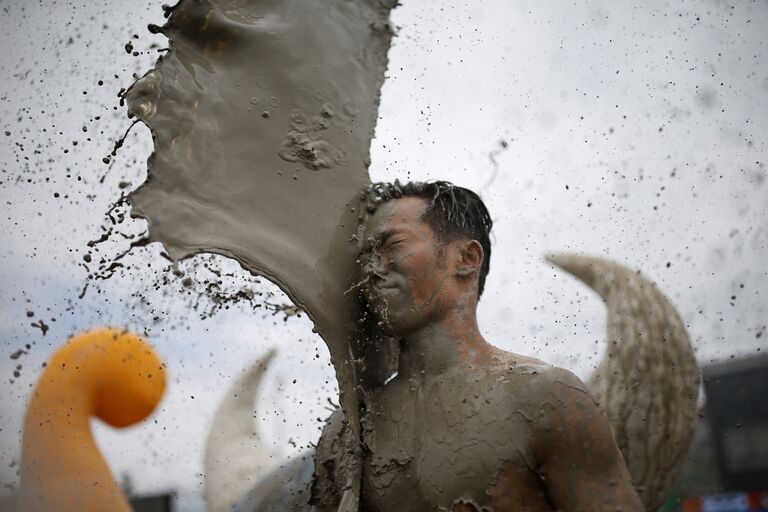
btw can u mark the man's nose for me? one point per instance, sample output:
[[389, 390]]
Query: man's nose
[[374, 265]]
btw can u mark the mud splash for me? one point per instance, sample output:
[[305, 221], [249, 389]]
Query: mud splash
[[262, 114]]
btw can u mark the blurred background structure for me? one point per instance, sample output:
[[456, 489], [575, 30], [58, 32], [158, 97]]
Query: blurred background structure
[[727, 467]]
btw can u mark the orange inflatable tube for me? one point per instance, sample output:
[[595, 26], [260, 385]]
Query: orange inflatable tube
[[108, 373]]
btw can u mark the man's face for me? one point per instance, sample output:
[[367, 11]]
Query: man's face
[[404, 270]]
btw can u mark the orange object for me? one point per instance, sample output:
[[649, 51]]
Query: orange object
[[111, 374]]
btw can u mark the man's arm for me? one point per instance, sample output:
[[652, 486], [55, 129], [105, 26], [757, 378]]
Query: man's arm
[[581, 467]]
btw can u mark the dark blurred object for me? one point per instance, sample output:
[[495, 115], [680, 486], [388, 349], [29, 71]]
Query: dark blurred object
[[152, 503], [700, 475], [737, 413], [726, 469]]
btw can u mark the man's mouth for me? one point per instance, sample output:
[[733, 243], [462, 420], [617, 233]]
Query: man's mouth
[[378, 292], [383, 288]]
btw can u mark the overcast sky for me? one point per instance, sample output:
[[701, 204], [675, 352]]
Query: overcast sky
[[635, 131]]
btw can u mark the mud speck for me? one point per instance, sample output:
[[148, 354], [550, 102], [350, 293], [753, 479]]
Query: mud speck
[[20, 352], [41, 325]]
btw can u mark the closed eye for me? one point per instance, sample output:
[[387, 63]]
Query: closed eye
[[391, 243]]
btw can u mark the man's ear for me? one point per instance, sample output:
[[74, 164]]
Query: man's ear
[[470, 257]]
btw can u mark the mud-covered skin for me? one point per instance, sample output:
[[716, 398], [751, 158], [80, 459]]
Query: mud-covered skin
[[471, 438], [444, 438], [482, 436]]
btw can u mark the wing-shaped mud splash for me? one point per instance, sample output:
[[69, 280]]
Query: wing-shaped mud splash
[[647, 382], [262, 114]]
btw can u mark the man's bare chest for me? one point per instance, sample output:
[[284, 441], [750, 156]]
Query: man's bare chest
[[440, 440]]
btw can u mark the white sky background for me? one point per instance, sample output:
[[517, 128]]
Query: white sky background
[[636, 131]]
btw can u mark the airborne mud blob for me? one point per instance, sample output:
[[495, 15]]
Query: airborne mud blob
[[262, 114]]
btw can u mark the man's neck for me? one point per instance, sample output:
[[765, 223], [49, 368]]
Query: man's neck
[[441, 345]]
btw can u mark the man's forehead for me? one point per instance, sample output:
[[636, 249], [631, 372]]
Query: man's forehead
[[400, 213]]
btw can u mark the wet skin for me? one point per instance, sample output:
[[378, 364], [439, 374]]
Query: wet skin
[[464, 425]]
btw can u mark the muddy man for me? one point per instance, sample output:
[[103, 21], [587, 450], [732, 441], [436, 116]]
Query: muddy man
[[463, 425]]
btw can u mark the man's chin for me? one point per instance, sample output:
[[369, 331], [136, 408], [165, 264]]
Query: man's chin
[[386, 318], [382, 319]]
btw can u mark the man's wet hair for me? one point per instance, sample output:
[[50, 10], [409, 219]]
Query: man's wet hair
[[452, 212]]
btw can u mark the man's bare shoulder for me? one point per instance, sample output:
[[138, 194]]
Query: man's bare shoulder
[[513, 364], [570, 440], [534, 385]]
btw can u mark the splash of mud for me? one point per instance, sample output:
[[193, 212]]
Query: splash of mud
[[262, 114]]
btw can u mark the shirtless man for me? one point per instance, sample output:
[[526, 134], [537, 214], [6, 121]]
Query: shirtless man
[[463, 426]]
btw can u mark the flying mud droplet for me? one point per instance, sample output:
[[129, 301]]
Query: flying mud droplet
[[20, 352], [41, 325]]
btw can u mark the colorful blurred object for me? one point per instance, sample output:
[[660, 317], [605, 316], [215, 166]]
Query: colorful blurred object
[[728, 502], [108, 373]]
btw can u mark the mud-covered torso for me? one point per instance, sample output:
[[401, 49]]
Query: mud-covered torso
[[435, 440]]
